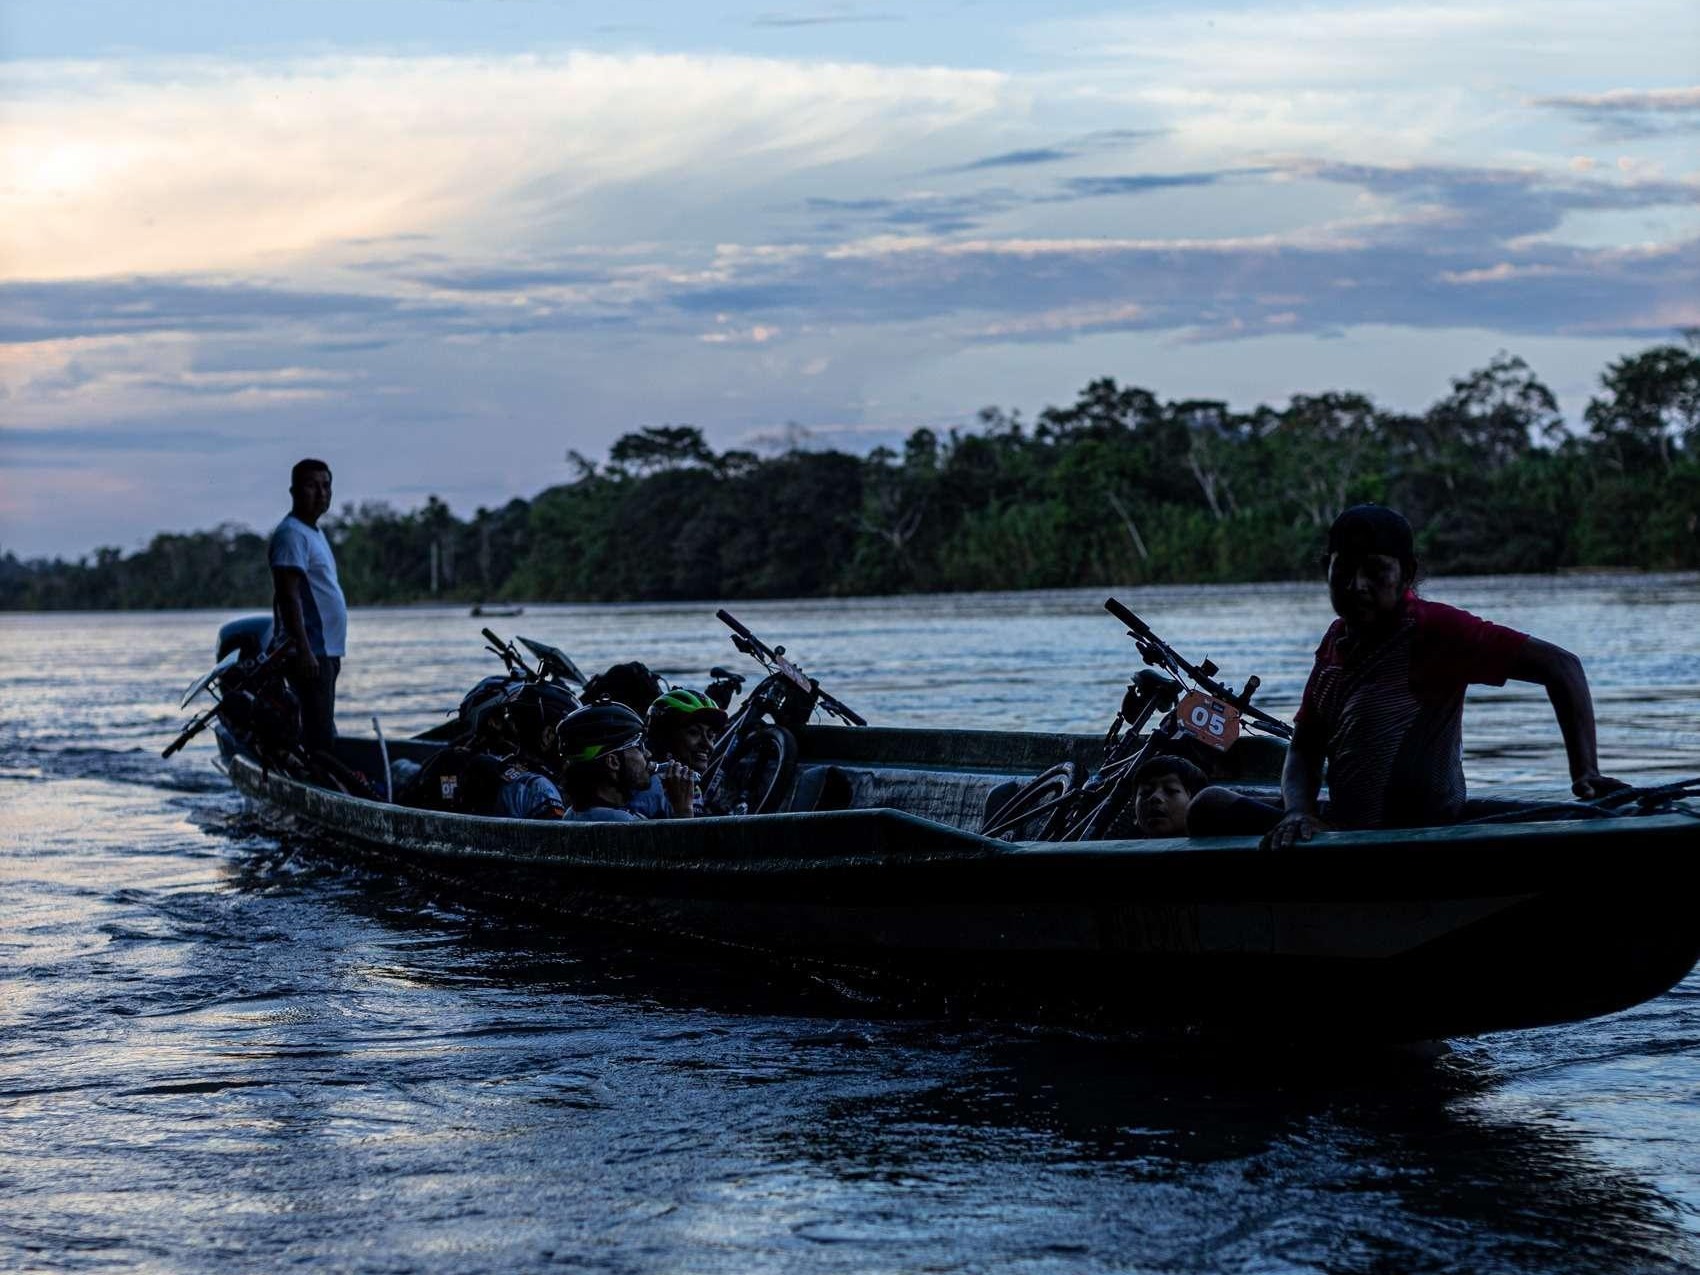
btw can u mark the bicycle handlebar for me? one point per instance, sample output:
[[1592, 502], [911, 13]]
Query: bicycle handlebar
[[732, 622], [772, 659], [843, 710], [1132, 621], [510, 658], [1172, 659]]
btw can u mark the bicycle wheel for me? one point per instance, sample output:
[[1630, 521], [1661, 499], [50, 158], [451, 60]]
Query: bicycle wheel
[[1112, 818], [1110, 815], [1026, 815], [756, 773]]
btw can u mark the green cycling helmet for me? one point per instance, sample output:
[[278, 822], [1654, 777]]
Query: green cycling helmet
[[683, 703], [596, 730]]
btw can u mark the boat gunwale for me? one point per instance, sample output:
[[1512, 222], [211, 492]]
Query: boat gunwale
[[550, 841]]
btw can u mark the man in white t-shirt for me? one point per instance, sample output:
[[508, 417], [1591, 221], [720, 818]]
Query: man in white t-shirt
[[307, 602]]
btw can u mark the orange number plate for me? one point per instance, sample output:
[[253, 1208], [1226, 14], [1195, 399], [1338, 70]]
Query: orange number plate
[[1208, 720]]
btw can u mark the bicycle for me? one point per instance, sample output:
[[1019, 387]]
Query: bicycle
[[1060, 805], [751, 768]]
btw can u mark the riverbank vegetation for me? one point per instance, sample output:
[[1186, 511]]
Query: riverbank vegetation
[[1118, 487]]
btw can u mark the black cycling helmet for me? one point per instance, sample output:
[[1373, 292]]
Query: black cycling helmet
[[594, 731], [681, 705]]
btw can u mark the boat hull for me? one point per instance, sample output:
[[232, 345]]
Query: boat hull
[[1376, 936]]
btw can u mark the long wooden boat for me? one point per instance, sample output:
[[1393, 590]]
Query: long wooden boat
[[878, 875]]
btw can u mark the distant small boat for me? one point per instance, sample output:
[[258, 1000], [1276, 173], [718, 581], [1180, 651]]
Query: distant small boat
[[496, 612]]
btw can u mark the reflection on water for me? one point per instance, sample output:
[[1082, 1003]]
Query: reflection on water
[[1214, 1163], [223, 1049]]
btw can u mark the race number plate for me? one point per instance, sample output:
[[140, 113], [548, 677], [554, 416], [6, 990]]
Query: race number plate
[[1211, 721], [792, 671]]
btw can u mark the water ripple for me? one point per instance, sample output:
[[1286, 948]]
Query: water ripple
[[223, 1048]]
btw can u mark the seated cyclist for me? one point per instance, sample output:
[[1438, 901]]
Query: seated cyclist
[[1163, 788], [604, 765], [1384, 707], [524, 789], [525, 793], [682, 728]]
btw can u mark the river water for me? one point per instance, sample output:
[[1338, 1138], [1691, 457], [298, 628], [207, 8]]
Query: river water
[[220, 1049]]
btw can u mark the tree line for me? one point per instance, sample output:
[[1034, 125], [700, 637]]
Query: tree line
[[1119, 488]]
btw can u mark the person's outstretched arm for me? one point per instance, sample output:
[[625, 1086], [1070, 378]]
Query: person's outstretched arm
[[1567, 687]]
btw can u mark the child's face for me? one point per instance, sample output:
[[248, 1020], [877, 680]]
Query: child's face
[[1160, 803]]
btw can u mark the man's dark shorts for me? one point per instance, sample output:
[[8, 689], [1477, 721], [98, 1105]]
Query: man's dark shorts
[[318, 701]]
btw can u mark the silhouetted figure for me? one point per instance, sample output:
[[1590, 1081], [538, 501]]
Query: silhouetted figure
[[1383, 710], [307, 601]]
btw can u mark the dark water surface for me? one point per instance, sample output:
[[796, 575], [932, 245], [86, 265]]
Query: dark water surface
[[221, 1050]]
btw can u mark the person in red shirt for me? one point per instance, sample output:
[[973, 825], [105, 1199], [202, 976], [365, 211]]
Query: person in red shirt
[[1383, 710]]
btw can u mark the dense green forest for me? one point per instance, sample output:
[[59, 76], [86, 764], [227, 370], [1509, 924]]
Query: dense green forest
[[1117, 488]]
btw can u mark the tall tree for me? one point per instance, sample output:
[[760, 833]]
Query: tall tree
[[1652, 404]]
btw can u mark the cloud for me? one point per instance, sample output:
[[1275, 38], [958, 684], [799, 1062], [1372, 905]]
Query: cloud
[[942, 213], [1405, 43], [1495, 204], [835, 17], [525, 278], [478, 304], [1095, 142], [1015, 159], [236, 387], [1632, 114], [1138, 183], [55, 310], [1064, 323], [1497, 273], [1417, 80], [54, 446], [1440, 246], [759, 334], [67, 384], [930, 211], [210, 166], [1423, 229]]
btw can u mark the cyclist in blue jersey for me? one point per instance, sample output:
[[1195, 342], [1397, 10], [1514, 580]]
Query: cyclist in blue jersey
[[604, 764]]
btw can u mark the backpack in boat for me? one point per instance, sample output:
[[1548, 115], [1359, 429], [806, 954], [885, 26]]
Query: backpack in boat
[[457, 780]]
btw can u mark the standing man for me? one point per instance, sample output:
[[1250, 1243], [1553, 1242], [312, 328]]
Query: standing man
[[307, 602]]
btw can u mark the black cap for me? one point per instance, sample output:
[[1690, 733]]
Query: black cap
[[1367, 529]]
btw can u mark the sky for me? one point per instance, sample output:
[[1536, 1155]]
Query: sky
[[442, 243]]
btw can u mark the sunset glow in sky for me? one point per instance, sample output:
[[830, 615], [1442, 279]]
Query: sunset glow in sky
[[441, 242]]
